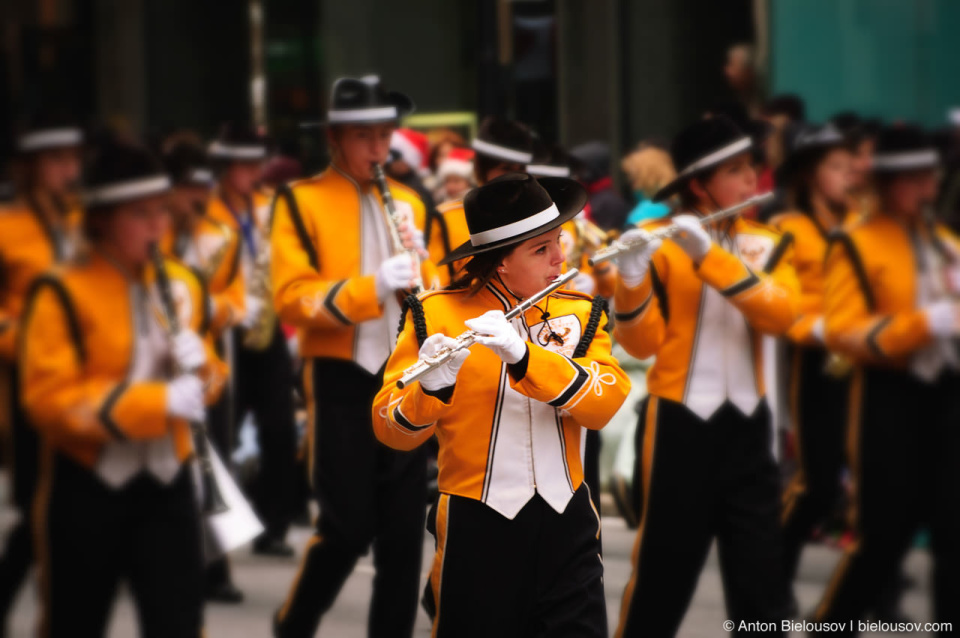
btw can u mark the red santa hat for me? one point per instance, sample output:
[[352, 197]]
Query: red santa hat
[[459, 161], [413, 147]]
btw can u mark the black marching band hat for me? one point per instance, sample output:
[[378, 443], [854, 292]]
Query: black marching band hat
[[505, 140], [550, 161], [516, 207], [805, 142], [119, 173], [186, 163], [904, 148], [47, 131], [237, 143], [363, 101], [702, 146]]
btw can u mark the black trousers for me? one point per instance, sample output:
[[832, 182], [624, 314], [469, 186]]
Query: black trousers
[[705, 480], [369, 496], [537, 575], [18, 553], [90, 537], [904, 446], [264, 385], [818, 404]]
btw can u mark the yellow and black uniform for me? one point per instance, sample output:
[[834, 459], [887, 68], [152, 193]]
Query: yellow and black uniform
[[116, 499], [328, 240], [262, 379], [817, 396], [707, 467], [510, 479], [447, 230], [35, 233], [882, 276]]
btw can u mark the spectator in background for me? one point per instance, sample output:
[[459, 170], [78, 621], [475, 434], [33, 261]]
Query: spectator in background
[[407, 162], [607, 208], [648, 169], [455, 175], [442, 141], [781, 112], [743, 76]]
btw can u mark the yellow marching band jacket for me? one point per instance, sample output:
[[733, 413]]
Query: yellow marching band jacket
[[80, 346], [704, 323], [506, 431], [873, 302], [316, 261]]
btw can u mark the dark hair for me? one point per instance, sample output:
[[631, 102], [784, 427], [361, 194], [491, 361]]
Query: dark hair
[[483, 165], [788, 104], [799, 186], [689, 200], [480, 269]]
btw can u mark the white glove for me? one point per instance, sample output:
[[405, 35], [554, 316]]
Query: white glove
[[253, 307], [185, 398], [943, 318], [819, 330], [633, 265], [584, 283], [412, 238], [446, 375], [496, 333], [188, 351], [692, 237], [395, 273]]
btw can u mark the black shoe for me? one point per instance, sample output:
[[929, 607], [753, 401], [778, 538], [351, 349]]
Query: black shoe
[[226, 593], [265, 545]]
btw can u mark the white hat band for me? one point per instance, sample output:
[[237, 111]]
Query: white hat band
[[516, 228]]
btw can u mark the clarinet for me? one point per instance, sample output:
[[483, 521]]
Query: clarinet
[[393, 223], [213, 501]]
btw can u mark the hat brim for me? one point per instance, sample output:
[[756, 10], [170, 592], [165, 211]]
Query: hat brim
[[674, 187], [401, 101], [570, 198]]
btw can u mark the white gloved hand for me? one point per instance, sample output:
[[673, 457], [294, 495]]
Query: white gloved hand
[[943, 317], [412, 238], [252, 309], [633, 265], [819, 330], [445, 375], [495, 332], [396, 273], [185, 398], [188, 351], [692, 237]]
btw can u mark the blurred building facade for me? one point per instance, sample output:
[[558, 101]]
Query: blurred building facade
[[618, 70]]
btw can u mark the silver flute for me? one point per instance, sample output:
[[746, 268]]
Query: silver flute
[[469, 337], [618, 247], [393, 223]]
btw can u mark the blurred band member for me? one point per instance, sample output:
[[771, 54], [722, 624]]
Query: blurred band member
[[111, 393], [891, 303], [816, 176], [700, 303], [263, 372], [37, 230], [337, 278]]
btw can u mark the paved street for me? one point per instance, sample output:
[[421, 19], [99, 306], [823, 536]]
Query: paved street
[[265, 583]]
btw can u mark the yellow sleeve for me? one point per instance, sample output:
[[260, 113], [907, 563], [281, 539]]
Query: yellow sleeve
[[66, 401], [9, 329], [768, 301], [852, 326], [227, 289], [403, 419], [640, 326], [301, 296], [590, 388]]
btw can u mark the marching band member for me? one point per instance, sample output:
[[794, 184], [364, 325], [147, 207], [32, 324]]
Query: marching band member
[[816, 176], [512, 499], [37, 230], [206, 245], [891, 304], [501, 146], [337, 279], [115, 498], [699, 303], [263, 373]]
